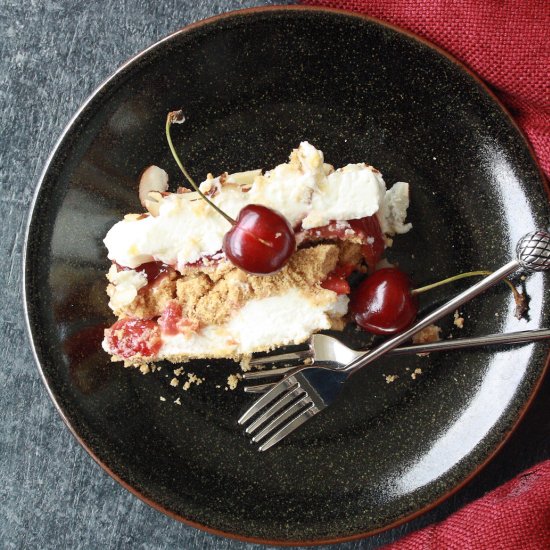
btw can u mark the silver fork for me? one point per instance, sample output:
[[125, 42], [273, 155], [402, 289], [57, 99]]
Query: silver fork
[[306, 391], [332, 353]]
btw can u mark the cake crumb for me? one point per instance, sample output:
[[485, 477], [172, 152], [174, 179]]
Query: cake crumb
[[178, 371], [427, 335], [218, 386], [162, 398], [177, 401], [174, 382], [192, 379], [308, 361], [233, 380], [144, 369], [458, 319], [416, 373], [391, 378], [245, 363]]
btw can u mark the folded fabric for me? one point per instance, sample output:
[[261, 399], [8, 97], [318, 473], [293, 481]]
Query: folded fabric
[[505, 42], [514, 516]]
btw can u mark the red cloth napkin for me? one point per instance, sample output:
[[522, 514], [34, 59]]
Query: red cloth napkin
[[515, 516], [506, 42]]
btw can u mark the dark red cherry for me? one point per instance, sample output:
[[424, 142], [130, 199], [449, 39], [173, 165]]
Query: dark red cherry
[[383, 303], [373, 239], [261, 241], [337, 279], [336, 284], [129, 337]]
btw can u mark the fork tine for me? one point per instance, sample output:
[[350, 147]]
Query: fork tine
[[267, 398], [280, 418], [275, 408], [258, 388], [268, 373], [292, 357], [289, 427]]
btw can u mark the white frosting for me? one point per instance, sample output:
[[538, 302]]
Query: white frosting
[[394, 209], [261, 324], [305, 190], [354, 191], [211, 341], [340, 306], [126, 285], [277, 321]]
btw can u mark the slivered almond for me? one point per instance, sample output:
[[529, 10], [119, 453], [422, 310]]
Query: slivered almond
[[152, 179], [132, 217], [152, 202], [244, 178]]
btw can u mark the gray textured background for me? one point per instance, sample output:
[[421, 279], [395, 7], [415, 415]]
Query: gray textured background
[[52, 494]]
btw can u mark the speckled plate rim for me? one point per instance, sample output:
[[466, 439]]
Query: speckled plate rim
[[51, 158]]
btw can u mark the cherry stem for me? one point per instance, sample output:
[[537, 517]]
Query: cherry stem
[[177, 117], [464, 276]]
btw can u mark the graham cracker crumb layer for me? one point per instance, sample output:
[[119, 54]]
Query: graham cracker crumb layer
[[211, 296]]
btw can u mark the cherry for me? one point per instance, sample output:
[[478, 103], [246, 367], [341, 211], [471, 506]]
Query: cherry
[[384, 303], [374, 242], [336, 284], [129, 337], [171, 316], [337, 279], [261, 241]]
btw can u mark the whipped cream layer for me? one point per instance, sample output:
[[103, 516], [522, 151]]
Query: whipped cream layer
[[306, 190], [260, 325]]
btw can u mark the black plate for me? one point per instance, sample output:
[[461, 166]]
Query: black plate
[[253, 85]]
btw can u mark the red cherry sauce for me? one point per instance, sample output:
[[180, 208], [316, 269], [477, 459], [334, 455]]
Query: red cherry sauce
[[170, 318], [373, 239], [337, 279], [207, 261], [368, 229], [173, 322], [130, 337], [154, 271]]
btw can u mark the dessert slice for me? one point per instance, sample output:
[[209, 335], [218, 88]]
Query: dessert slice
[[178, 297]]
